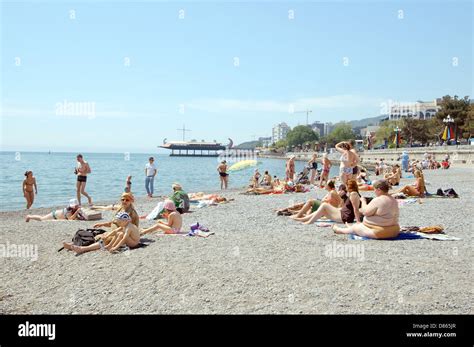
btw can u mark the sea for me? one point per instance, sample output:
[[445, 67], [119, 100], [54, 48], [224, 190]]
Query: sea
[[56, 180]]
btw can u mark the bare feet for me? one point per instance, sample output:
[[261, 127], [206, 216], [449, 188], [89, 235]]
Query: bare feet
[[67, 245], [337, 230], [27, 219]]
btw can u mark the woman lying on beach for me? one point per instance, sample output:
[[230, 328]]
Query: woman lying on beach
[[310, 206], [172, 225], [417, 189], [28, 183], [380, 216], [345, 214], [126, 205], [348, 161], [126, 233], [71, 212]]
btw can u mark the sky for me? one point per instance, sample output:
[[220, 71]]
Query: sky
[[123, 76]]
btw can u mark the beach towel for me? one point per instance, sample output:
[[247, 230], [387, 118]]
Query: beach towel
[[410, 236], [324, 223], [157, 211], [406, 202]]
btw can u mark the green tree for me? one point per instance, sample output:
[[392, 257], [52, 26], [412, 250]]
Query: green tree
[[458, 109], [342, 132], [386, 131], [280, 144], [301, 134]]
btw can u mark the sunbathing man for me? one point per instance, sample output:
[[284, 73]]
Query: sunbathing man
[[347, 213], [380, 216], [172, 225], [71, 212], [417, 189], [300, 210], [127, 234]]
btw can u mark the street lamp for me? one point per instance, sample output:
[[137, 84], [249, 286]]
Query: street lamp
[[397, 130]]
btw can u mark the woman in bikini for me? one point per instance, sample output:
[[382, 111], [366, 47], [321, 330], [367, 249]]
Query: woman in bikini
[[125, 205], [290, 169], [347, 213], [72, 212], [28, 183], [380, 216], [172, 225], [348, 161], [417, 189], [126, 234], [325, 173]]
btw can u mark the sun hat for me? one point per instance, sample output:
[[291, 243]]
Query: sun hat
[[73, 202], [176, 186], [123, 216], [169, 205]]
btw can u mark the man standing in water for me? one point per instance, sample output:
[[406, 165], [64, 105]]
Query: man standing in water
[[82, 170], [150, 172], [223, 175]]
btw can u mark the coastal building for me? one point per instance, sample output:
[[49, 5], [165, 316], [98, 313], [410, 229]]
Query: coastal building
[[415, 110], [265, 141], [318, 128], [195, 149], [280, 131], [328, 128]]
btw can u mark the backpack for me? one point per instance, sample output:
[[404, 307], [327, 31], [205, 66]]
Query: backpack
[[86, 237]]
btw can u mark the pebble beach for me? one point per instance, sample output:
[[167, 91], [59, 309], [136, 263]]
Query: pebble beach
[[255, 263]]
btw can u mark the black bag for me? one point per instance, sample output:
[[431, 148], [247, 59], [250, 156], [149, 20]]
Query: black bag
[[86, 237], [451, 193]]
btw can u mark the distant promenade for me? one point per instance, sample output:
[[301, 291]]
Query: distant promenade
[[459, 155]]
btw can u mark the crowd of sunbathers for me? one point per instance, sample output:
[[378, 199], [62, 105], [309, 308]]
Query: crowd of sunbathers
[[373, 217]]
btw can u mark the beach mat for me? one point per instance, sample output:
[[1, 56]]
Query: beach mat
[[410, 236]]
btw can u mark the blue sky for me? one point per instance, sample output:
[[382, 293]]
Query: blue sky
[[225, 70]]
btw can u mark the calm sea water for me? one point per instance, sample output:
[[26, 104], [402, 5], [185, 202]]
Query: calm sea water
[[56, 180]]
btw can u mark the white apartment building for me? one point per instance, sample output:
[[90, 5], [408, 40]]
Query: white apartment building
[[280, 131], [415, 110]]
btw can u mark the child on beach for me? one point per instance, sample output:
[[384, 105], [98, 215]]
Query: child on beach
[[72, 212], [28, 183], [126, 234], [172, 225]]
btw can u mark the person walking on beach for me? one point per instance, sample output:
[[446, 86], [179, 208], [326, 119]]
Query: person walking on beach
[[150, 173], [223, 175], [405, 158], [290, 169], [28, 192], [82, 170]]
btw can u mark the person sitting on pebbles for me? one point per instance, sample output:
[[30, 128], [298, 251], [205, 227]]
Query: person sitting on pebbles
[[71, 212], [126, 205], [172, 225], [127, 234]]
